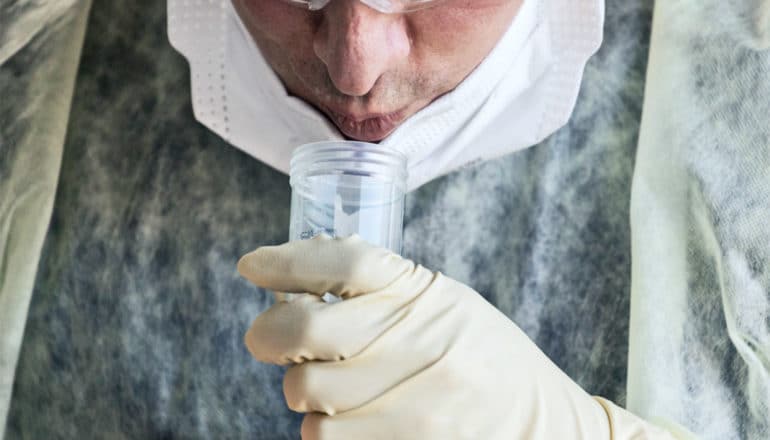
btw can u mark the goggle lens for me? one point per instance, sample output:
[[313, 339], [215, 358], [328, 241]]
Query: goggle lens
[[384, 6]]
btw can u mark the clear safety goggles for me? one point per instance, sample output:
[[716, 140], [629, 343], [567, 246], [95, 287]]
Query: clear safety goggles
[[384, 6]]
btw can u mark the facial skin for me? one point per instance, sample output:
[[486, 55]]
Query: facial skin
[[368, 71]]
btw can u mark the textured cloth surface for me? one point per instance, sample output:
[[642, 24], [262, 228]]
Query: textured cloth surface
[[39, 50], [136, 324], [700, 332]]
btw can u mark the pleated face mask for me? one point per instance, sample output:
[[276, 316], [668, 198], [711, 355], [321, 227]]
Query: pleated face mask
[[523, 90]]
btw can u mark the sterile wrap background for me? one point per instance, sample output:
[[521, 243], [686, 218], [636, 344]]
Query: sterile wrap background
[[135, 325]]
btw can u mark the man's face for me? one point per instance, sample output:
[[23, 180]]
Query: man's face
[[368, 71]]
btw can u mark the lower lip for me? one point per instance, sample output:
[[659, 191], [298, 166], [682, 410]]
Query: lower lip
[[368, 130]]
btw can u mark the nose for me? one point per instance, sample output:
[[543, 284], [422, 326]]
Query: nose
[[359, 44]]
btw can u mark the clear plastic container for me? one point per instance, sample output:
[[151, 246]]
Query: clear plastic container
[[342, 188]]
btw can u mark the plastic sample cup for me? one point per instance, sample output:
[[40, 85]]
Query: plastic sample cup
[[342, 188]]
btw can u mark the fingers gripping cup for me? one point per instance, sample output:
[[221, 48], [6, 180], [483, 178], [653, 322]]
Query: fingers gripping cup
[[345, 188]]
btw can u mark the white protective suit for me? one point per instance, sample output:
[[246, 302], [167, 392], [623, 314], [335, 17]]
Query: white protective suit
[[28, 172], [700, 294]]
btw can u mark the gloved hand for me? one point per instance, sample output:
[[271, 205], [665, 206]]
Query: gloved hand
[[411, 354]]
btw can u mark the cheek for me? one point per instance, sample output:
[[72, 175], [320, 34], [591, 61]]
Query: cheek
[[447, 31], [458, 38], [284, 34], [438, 47]]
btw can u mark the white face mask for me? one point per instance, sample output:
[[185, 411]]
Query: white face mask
[[523, 91]]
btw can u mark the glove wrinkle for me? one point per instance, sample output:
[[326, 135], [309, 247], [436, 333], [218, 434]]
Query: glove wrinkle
[[412, 354]]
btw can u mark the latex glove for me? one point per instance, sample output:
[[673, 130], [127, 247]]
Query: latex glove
[[410, 354]]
